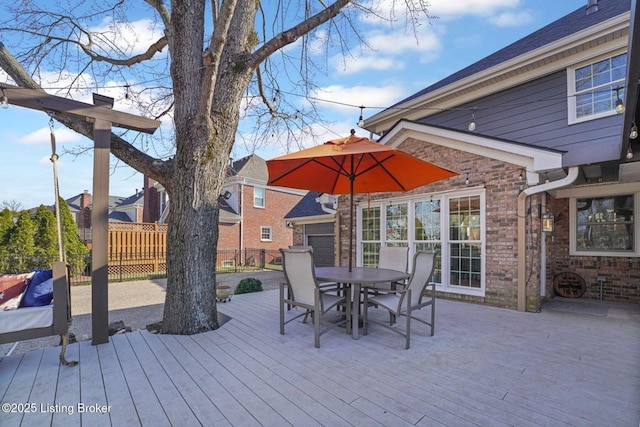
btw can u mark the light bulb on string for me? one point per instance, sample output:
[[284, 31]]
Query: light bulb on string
[[361, 120], [472, 123], [619, 103], [629, 155], [633, 134]]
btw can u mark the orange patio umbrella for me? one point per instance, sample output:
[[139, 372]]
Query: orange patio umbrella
[[353, 165]]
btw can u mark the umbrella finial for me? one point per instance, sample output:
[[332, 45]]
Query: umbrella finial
[[353, 131]]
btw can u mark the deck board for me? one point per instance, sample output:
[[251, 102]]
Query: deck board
[[484, 366]]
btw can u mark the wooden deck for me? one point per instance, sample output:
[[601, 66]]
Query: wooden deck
[[484, 367]]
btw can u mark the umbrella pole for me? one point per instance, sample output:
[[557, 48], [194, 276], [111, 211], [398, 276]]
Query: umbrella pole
[[351, 221]]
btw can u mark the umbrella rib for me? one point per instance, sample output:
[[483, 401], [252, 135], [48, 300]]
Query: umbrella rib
[[378, 163]]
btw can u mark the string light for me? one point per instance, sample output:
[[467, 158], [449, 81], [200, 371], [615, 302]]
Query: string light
[[466, 181], [472, 123], [4, 101], [634, 130], [361, 120], [629, 152], [619, 103]]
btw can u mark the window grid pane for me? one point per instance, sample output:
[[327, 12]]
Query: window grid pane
[[596, 84], [397, 222], [465, 248], [265, 233]]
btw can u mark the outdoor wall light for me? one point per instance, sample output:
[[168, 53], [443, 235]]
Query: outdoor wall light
[[547, 222], [226, 195]]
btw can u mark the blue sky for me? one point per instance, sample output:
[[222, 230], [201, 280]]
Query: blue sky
[[464, 32]]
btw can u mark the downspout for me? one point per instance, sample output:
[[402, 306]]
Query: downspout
[[522, 241]]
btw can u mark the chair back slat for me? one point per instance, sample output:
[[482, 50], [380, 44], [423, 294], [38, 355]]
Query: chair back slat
[[300, 274], [423, 266], [394, 258]]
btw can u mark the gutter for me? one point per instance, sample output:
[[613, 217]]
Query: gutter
[[522, 241]]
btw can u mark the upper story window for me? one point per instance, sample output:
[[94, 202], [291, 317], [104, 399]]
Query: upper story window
[[594, 88], [258, 197]]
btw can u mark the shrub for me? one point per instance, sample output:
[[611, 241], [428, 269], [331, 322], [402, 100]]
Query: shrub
[[248, 285]]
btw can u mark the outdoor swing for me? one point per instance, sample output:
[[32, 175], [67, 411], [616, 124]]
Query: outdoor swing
[[26, 323]]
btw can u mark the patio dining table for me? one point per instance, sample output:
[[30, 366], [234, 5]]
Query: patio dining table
[[354, 278]]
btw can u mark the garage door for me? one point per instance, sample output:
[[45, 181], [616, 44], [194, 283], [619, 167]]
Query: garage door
[[320, 237]]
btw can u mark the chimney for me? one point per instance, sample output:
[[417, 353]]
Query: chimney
[[151, 202], [592, 6], [85, 199], [85, 210]]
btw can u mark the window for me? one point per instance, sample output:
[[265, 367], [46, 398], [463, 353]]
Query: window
[[265, 234], [370, 236], [594, 88], [451, 223], [258, 197], [604, 225], [465, 248]]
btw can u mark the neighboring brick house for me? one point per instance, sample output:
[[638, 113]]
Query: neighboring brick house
[[261, 209], [251, 213], [546, 125]]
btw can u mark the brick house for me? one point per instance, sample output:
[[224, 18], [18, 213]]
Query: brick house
[[544, 128], [251, 213]]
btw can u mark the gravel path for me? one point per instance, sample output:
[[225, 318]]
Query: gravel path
[[136, 303]]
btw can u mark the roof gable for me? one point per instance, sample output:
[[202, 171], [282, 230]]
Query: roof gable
[[251, 167]]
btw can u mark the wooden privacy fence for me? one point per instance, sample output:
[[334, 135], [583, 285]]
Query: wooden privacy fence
[[137, 248]]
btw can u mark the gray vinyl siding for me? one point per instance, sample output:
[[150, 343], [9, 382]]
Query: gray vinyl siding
[[536, 113]]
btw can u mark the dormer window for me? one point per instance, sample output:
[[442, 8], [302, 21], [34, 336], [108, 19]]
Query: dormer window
[[594, 88]]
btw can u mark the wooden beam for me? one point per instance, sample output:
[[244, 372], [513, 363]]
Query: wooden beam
[[37, 100], [100, 231]]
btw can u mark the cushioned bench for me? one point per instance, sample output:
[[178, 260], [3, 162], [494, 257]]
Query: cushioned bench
[[36, 322]]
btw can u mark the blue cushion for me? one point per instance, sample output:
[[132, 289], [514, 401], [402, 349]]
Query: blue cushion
[[40, 290]]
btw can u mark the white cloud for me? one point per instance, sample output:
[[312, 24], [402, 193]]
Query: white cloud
[[512, 19], [42, 136], [446, 9], [346, 99], [130, 38], [365, 63], [388, 51]]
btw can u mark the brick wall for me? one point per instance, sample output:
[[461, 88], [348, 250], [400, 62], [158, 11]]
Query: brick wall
[[228, 236], [502, 186], [622, 273], [277, 205]]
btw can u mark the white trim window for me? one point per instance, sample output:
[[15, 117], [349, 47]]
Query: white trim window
[[605, 224], [259, 197], [594, 88], [452, 223], [266, 234]]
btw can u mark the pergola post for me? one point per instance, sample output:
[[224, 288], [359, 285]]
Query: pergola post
[[100, 233]]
